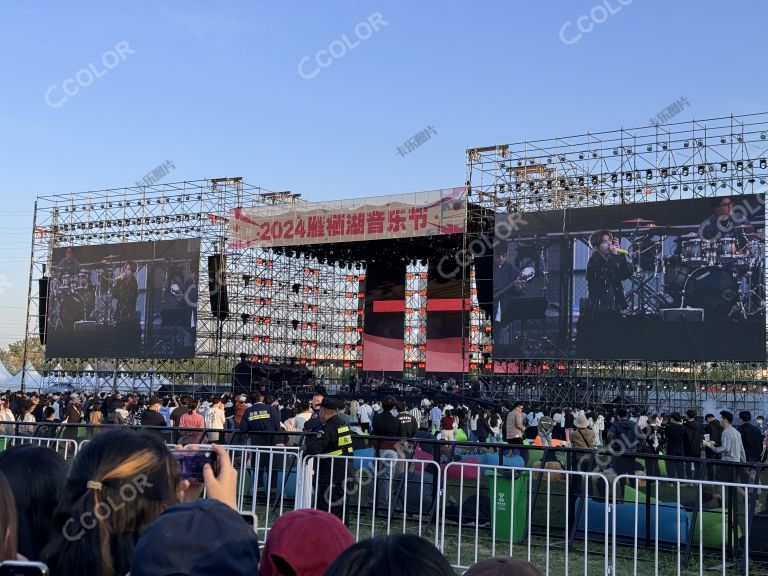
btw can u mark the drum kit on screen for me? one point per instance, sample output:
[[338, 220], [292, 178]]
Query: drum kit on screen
[[83, 299], [723, 276]]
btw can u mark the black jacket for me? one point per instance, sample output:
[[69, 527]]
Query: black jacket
[[752, 439], [715, 431], [483, 429], [675, 434], [692, 437], [384, 424], [408, 424], [604, 277]]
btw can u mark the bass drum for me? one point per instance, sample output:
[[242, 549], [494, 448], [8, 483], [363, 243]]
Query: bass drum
[[709, 287]]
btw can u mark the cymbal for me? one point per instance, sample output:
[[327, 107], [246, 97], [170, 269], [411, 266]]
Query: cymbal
[[639, 221]]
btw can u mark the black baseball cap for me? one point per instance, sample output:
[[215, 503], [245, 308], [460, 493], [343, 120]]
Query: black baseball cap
[[199, 538], [330, 404]]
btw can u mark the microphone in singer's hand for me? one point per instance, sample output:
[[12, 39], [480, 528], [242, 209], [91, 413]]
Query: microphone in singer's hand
[[621, 251]]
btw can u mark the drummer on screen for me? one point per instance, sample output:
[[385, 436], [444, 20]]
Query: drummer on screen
[[724, 223], [607, 268], [69, 265]]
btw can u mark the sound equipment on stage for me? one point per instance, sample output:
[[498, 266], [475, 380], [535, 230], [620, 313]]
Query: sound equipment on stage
[[217, 286], [42, 306], [682, 314], [85, 326]]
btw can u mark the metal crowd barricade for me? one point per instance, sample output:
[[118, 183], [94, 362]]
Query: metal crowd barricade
[[689, 526], [268, 481], [376, 495], [490, 510], [67, 448]]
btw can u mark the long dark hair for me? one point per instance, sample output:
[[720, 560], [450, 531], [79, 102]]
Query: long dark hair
[[7, 522], [404, 554], [118, 484], [36, 476]]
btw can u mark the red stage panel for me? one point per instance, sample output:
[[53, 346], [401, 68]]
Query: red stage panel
[[444, 355], [389, 306], [385, 354]]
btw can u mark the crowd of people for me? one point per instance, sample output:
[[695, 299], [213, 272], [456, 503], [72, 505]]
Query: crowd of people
[[121, 507], [670, 434]]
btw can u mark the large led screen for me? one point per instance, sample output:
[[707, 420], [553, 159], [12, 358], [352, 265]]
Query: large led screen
[[132, 300], [675, 280]]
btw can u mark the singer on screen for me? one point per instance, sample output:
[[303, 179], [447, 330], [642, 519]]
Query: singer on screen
[[126, 292], [607, 268]]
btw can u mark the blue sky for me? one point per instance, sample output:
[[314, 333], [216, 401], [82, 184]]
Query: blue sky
[[215, 87]]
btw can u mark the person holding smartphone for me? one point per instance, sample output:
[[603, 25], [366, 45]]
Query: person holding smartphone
[[117, 485]]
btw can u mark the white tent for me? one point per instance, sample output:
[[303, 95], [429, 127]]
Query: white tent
[[5, 376]]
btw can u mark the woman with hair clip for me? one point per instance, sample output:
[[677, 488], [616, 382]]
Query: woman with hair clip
[[7, 522], [117, 485]]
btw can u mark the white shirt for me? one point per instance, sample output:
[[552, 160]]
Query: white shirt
[[364, 412]]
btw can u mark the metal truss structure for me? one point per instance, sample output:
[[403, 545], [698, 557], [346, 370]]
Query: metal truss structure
[[298, 307], [700, 158], [182, 210]]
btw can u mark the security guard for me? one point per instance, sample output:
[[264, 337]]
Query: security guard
[[260, 418], [333, 439]]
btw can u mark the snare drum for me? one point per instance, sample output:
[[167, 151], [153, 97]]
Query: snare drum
[[695, 251], [728, 254], [65, 285]]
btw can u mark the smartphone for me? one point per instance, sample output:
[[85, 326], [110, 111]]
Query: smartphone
[[249, 519], [192, 461], [16, 568]]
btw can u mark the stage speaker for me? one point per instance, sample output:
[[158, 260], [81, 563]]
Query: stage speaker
[[217, 286], [42, 307]]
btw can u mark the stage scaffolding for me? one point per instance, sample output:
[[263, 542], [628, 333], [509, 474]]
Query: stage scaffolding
[[182, 210], [700, 158]]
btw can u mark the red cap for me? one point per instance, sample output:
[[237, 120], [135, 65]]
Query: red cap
[[306, 540]]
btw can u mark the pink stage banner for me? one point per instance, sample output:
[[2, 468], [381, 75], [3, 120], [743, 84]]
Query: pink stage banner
[[357, 220]]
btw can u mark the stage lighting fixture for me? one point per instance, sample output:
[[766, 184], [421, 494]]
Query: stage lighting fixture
[[518, 186], [549, 184], [594, 154], [762, 181], [581, 180], [549, 160], [615, 152], [628, 176], [739, 165], [531, 185], [685, 144], [581, 156], [722, 140], [247, 279], [648, 174], [762, 163], [664, 172], [648, 148], [740, 139], [685, 170], [723, 167], [664, 146], [701, 170], [614, 178], [765, 388], [594, 180], [739, 183], [245, 317], [722, 184], [700, 143]]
